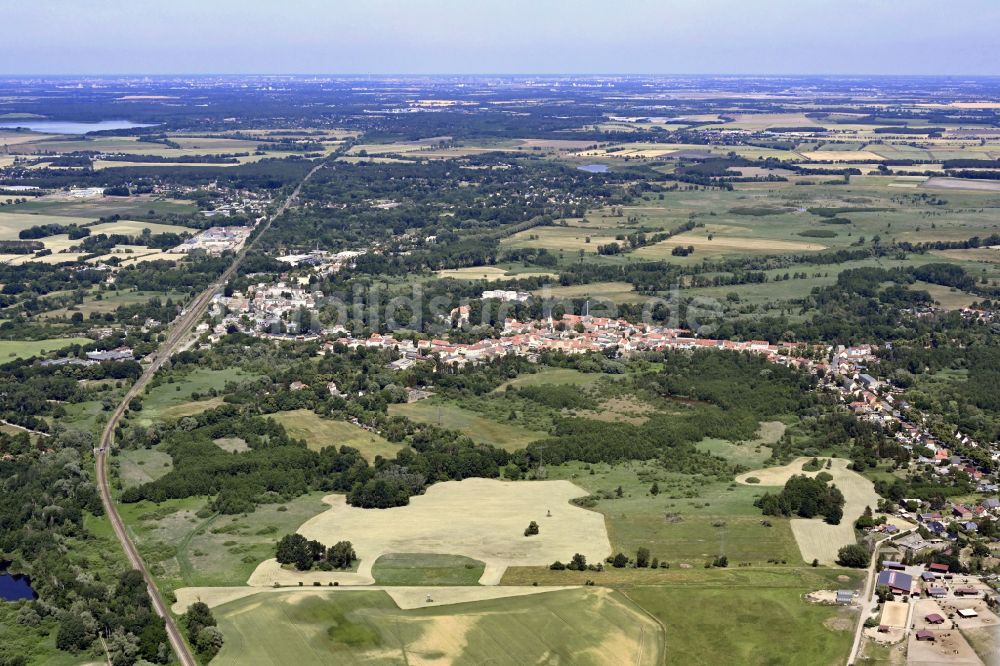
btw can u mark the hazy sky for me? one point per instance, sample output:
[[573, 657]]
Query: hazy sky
[[500, 36]]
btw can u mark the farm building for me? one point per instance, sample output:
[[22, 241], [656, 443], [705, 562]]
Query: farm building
[[924, 635], [934, 618], [937, 592], [928, 577], [893, 565], [937, 567], [845, 597], [896, 581], [966, 592], [967, 613]]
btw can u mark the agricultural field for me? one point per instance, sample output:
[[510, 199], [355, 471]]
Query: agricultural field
[[319, 432], [491, 273], [426, 569], [757, 618], [62, 205], [480, 519], [479, 428], [14, 349], [560, 239], [585, 626]]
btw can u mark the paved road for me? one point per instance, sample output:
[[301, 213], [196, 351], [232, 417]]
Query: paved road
[[178, 329]]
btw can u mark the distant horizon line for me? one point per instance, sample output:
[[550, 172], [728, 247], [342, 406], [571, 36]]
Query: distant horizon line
[[495, 75]]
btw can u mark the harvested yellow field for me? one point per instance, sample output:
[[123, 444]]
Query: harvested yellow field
[[963, 105], [113, 164], [817, 539], [989, 255], [555, 144], [479, 518], [841, 156], [135, 227], [407, 598], [488, 273], [940, 183], [725, 244], [11, 138]]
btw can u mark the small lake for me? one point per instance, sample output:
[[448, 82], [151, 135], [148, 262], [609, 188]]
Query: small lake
[[70, 127], [594, 168], [15, 587]]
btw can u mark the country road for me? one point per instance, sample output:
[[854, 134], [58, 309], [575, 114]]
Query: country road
[[866, 598], [181, 326]]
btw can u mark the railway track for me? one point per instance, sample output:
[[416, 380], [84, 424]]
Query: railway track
[[177, 332]]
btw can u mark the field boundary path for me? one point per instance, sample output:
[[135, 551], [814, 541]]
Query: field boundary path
[[188, 318]]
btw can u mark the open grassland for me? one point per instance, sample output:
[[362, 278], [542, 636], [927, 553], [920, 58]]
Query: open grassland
[[560, 239], [766, 623], [136, 227], [690, 521], [15, 349], [776, 292], [482, 519], [176, 396], [723, 243], [319, 433], [61, 204], [739, 615], [490, 273], [774, 218], [478, 427], [13, 223], [748, 454], [550, 375], [88, 415], [426, 569], [948, 298], [232, 444], [586, 627], [816, 538], [612, 292], [138, 466], [101, 302], [187, 545]]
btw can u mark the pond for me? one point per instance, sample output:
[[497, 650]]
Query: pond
[[70, 127], [14, 587], [594, 168]]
